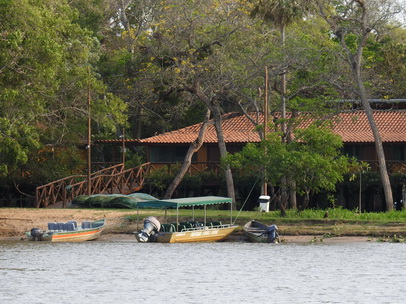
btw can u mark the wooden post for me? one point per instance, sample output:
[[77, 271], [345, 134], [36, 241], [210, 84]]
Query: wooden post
[[360, 193], [89, 143], [265, 185], [122, 136]]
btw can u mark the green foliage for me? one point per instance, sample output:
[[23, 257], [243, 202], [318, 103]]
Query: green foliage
[[159, 179], [53, 51], [51, 164], [133, 160], [46, 62], [312, 160]]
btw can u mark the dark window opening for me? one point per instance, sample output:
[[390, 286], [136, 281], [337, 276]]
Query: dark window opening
[[352, 151], [399, 153], [167, 154]]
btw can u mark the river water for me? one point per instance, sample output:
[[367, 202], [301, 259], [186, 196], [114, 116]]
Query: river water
[[227, 272]]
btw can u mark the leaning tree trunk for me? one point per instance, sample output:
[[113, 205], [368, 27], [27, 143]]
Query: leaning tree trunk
[[223, 152], [355, 62], [378, 145], [194, 147], [220, 137]]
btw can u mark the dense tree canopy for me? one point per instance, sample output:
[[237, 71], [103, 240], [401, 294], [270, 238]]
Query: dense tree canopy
[[153, 66], [47, 66]]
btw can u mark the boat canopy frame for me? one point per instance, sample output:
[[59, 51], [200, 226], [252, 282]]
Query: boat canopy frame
[[176, 203]]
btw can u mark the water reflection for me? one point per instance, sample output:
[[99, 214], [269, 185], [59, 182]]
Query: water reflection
[[129, 272]]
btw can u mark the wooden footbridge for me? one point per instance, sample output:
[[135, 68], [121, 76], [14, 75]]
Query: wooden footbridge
[[110, 180], [107, 181]]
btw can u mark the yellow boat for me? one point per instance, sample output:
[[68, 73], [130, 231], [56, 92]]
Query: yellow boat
[[68, 232], [184, 232]]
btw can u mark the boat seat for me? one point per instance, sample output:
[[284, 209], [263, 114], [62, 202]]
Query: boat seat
[[70, 226], [187, 224], [74, 223], [86, 225], [166, 227], [197, 225], [174, 227], [61, 226], [216, 223], [181, 227], [52, 226]]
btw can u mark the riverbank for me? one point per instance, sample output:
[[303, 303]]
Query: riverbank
[[120, 225]]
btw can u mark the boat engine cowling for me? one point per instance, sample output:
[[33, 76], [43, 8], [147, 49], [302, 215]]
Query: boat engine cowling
[[151, 226], [37, 233], [272, 233]]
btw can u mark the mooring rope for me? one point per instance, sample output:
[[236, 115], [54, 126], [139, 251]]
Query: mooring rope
[[245, 201]]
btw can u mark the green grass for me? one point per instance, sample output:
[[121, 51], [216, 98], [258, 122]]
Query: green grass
[[344, 214], [338, 214]]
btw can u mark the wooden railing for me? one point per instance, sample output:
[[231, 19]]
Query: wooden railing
[[107, 181], [392, 166]]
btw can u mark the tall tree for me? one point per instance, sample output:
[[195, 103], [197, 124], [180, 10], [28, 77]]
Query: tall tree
[[45, 59], [357, 19], [179, 63], [282, 13]]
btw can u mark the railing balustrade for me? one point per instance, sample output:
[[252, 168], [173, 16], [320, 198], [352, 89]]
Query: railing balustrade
[[110, 180]]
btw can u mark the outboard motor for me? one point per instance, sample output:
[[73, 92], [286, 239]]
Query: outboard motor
[[37, 234], [272, 233], [151, 226]]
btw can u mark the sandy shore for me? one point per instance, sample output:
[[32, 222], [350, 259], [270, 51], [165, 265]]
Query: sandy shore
[[15, 222]]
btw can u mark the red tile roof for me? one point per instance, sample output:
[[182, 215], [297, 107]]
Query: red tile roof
[[354, 127], [351, 126]]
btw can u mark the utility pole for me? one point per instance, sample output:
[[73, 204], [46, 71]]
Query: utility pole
[[265, 185], [89, 142]]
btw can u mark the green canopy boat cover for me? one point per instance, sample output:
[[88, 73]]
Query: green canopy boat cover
[[185, 202], [110, 200]]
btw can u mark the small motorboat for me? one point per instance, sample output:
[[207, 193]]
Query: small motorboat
[[261, 233], [68, 232], [184, 232]]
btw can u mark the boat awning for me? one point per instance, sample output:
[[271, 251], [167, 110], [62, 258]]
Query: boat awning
[[185, 202]]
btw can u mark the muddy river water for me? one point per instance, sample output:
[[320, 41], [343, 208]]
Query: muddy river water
[[229, 272]]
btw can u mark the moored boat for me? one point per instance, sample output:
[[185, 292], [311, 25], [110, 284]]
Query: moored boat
[[260, 233], [184, 232], [68, 232]]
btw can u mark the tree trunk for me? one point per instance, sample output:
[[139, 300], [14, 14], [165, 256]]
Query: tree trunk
[[223, 152], [194, 147], [284, 196], [292, 194], [355, 62], [215, 109], [378, 144]]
